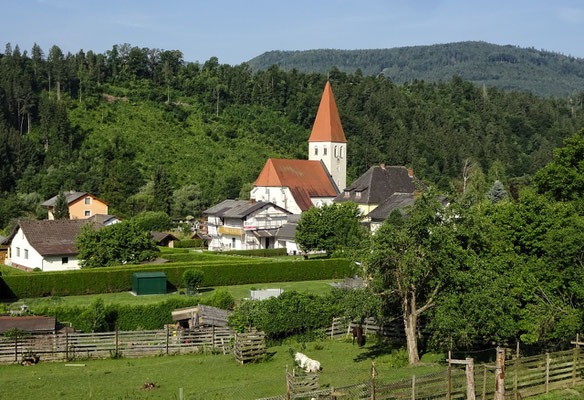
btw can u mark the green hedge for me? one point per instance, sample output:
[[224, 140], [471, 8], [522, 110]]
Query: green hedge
[[119, 279], [188, 243], [256, 253], [182, 257]]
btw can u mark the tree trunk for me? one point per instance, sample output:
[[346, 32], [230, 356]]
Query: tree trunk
[[28, 121], [410, 324], [58, 90]]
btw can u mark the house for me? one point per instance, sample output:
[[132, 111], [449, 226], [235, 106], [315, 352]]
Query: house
[[3, 249], [47, 245], [81, 205], [379, 183], [163, 239], [297, 185], [397, 201], [104, 219], [34, 324], [286, 235], [201, 315], [244, 224]]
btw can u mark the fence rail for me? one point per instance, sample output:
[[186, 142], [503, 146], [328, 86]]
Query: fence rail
[[63, 346]]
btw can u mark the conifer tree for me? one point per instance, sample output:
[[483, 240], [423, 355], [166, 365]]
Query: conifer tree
[[61, 208], [497, 192], [162, 191]]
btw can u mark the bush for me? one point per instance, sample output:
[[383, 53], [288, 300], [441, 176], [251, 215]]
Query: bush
[[192, 279], [256, 253], [149, 221], [188, 243], [119, 279]]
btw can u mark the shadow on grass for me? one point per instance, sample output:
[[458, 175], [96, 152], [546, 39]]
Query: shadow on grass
[[377, 350]]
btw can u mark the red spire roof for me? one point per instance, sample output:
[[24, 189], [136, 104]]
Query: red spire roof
[[327, 124], [304, 178]]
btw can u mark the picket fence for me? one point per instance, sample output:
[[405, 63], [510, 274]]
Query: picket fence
[[66, 346]]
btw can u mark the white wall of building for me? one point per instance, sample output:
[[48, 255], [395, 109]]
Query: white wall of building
[[22, 253], [334, 156], [280, 196]]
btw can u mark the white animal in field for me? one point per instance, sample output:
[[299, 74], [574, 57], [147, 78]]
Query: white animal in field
[[307, 364]]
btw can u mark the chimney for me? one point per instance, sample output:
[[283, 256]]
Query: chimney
[[252, 201], [382, 166], [410, 172]]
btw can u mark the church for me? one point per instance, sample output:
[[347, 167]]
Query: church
[[286, 188]]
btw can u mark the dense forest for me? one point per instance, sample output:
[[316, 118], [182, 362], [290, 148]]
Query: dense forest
[[118, 124], [508, 68]]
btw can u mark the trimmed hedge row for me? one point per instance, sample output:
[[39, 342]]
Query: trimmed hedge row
[[109, 280], [182, 257], [256, 252], [188, 243]]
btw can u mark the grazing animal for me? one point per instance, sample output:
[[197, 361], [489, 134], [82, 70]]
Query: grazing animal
[[307, 364], [358, 333]]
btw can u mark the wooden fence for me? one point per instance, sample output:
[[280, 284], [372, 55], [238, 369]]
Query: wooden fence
[[249, 347], [65, 346], [341, 329], [523, 377]]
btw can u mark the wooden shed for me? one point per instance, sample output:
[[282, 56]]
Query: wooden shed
[[149, 283], [201, 315], [30, 324]]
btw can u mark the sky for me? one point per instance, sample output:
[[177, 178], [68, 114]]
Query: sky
[[236, 31]]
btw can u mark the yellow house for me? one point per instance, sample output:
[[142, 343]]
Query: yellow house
[[82, 205]]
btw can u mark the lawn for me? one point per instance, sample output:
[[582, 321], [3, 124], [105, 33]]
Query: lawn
[[201, 376], [238, 291]]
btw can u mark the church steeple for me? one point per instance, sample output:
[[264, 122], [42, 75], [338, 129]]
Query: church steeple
[[327, 142]]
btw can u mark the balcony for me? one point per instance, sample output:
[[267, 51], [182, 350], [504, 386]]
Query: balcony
[[230, 231]]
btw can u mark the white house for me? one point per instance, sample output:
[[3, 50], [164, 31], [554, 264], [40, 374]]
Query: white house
[[48, 245], [244, 225]]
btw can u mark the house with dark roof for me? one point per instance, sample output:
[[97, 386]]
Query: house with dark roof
[[104, 219], [163, 239], [297, 185], [378, 185], [244, 224], [47, 245], [81, 205]]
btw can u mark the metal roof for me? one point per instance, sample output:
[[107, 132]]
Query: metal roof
[[149, 275]]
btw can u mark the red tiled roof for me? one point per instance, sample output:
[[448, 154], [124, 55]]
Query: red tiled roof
[[304, 178], [327, 124]]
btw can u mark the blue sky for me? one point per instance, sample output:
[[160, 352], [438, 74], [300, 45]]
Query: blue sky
[[236, 31]]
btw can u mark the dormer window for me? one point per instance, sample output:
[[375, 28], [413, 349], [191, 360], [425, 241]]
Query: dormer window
[[347, 193], [358, 195]]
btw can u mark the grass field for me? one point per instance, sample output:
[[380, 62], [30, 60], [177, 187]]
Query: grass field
[[239, 292], [201, 376]]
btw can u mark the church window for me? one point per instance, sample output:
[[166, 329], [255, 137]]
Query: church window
[[324, 151], [315, 150], [336, 151], [341, 152]]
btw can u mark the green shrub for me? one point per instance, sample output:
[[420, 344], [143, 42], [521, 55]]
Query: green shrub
[[192, 279], [181, 257], [256, 252], [119, 279], [188, 243]]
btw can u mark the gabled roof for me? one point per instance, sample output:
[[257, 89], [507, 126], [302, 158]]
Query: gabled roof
[[55, 237], [101, 218], [304, 178], [239, 208], [159, 236], [71, 196], [327, 124], [396, 201], [28, 324], [380, 182]]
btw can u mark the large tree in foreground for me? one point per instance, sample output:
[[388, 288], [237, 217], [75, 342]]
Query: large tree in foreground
[[410, 263], [121, 243], [330, 228]]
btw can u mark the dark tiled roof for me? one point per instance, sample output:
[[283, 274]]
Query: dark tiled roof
[[28, 324], [70, 196], [221, 207], [238, 208], [160, 236], [288, 230], [378, 183], [101, 218], [396, 201], [55, 237], [304, 178]]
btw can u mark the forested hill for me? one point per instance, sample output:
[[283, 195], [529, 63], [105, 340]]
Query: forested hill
[[108, 123], [508, 68]]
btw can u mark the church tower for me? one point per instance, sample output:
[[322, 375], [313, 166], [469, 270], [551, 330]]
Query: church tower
[[327, 141]]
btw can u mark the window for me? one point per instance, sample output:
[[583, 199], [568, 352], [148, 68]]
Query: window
[[88, 200], [26, 254], [357, 195], [64, 260], [341, 152], [336, 151], [315, 150], [87, 213], [347, 193], [324, 150], [18, 252], [232, 243]]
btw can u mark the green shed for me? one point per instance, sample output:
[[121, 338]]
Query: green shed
[[149, 283]]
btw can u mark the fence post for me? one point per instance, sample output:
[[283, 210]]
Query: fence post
[[167, 339], [180, 394], [372, 380], [470, 383], [547, 372], [117, 341], [66, 344], [333, 329], [287, 385], [516, 377], [500, 375], [413, 387], [449, 377], [484, 396], [16, 348], [576, 356], [213, 336]]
